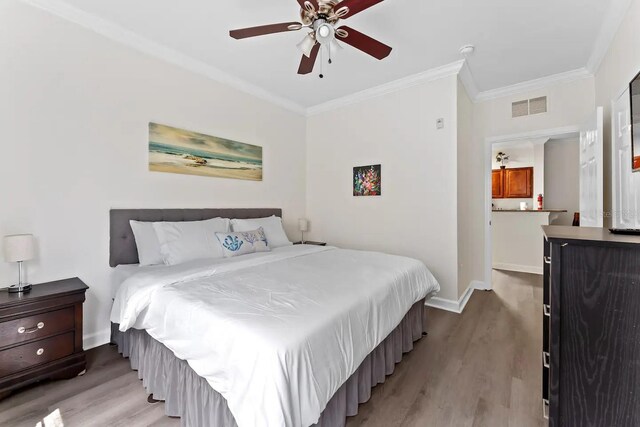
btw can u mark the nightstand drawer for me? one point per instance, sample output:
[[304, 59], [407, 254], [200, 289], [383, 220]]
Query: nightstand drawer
[[36, 326], [36, 353]]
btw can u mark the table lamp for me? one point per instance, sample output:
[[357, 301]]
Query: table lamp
[[19, 248], [303, 225]]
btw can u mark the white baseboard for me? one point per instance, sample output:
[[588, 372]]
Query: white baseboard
[[456, 306], [96, 339], [519, 268]]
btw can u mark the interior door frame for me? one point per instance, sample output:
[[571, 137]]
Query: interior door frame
[[561, 132]]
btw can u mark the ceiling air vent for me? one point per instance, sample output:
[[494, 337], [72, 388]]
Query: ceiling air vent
[[529, 107], [520, 108], [538, 105]]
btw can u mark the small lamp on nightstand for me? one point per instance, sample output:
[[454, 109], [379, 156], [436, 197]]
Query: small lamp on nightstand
[[303, 225], [19, 248]]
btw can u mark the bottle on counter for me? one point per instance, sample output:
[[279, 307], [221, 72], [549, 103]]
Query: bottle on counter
[[540, 202]]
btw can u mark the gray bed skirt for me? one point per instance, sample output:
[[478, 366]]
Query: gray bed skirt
[[190, 397]]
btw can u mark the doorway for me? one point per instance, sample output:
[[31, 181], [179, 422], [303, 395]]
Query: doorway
[[502, 143]]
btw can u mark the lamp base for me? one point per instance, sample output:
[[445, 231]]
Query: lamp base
[[22, 288]]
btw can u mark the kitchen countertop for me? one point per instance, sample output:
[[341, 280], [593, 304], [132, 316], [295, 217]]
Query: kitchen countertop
[[530, 210]]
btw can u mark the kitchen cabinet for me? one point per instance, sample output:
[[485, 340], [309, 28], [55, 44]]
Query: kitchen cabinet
[[497, 184], [515, 183]]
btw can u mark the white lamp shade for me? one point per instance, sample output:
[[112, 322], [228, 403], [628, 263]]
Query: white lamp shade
[[19, 247], [303, 224], [306, 45]]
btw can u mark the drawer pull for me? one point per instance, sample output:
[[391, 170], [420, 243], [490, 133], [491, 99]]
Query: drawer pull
[[547, 260], [545, 408], [23, 330], [547, 310], [40, 351], [545, 359]]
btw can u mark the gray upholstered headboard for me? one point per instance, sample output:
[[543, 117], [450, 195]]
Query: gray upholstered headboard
[[122, 245]]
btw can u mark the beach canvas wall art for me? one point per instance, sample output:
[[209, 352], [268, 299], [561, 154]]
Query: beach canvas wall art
[[367, 180], [181, 151]]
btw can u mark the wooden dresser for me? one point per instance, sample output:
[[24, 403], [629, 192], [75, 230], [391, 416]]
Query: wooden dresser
[[591, 327], [41, 334]]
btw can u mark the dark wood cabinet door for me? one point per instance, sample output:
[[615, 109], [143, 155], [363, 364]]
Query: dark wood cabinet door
[[497, 184], [599, 375], [518, 183]]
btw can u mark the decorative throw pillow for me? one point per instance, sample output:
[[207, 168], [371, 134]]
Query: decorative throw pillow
[[244, 242], [272, 227]]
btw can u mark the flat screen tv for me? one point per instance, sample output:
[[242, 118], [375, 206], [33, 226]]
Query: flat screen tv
[[634, 90]]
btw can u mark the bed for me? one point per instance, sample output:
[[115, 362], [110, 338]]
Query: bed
[[297, 336]]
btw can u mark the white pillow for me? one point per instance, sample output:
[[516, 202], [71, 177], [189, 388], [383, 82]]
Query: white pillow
[[272, 227], [146, 242], [244, 242], [188, 240]]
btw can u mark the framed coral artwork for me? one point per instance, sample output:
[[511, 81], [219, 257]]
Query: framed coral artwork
[[367, 180]]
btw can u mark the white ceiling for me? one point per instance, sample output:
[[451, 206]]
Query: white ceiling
[[516, 40]]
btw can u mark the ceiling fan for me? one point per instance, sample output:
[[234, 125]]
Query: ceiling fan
[[321, 17]]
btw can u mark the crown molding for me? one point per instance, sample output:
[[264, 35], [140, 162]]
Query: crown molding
[[519, 88], [142, 44], [451, 69], [612, 21]]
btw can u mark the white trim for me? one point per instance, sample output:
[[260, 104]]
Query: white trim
[[535, 84], [455, 306], [96, 339], [519, 268], [612, 21], [142, 44], [394, 86], [560, 132]]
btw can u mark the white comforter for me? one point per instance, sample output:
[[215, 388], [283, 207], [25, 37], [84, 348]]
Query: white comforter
[[276, 333]]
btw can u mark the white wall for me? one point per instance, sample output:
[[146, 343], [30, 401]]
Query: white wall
[[538, 173], [518, 241], [417, 213], [470, 227], [619, 66], [562, 178], [569, 103], [74, 144]]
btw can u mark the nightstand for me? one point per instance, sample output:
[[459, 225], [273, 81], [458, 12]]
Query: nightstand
[[41, 334], [308, 242]]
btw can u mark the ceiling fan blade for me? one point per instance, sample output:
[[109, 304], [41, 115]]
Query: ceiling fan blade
[[355, 6], [262, 30], [365, 43], [314, 3], [307, 63]]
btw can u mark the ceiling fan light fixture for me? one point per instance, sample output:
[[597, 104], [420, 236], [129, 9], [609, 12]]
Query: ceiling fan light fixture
[[306, 45], [325, 33], [334, 48]]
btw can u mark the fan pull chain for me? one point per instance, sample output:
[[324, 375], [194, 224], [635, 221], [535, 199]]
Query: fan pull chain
[[321, 63]]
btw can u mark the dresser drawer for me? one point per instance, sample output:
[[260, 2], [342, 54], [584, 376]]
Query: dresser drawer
[[35, 353], [36, 326]]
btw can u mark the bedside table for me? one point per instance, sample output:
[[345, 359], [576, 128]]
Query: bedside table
[[41, 334], [308, 242]]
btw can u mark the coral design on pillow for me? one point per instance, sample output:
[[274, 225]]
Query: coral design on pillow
[[243, 242], [255, 236], [232, 243]]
